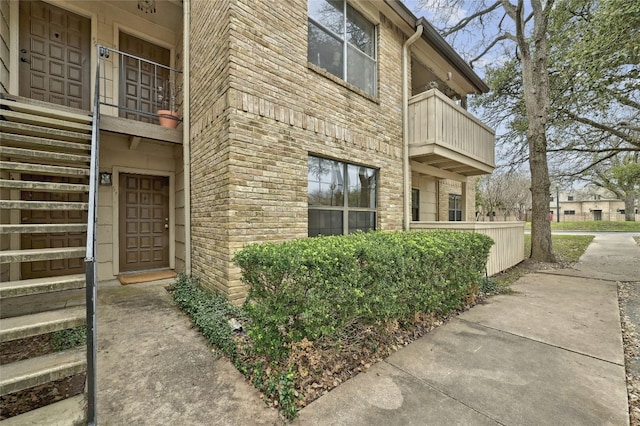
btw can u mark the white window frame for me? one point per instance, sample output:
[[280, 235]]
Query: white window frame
[[346, 44]]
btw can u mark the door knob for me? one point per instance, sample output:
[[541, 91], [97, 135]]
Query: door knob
[[23, 50], [25, 60], [166, 226]]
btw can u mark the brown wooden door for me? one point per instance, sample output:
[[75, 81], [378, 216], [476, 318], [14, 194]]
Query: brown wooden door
[[142, 84], [144, 222], [55, 55], [59, 267]]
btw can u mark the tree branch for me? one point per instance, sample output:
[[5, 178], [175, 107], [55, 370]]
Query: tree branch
[[624, 136], [464, 22], [505, 36]]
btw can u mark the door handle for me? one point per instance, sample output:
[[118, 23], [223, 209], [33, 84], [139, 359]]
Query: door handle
[[166, 226], [25, 60]]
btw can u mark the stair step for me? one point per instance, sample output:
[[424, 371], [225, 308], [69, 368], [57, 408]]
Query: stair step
[[30, 185], [41, 323], [42, 205], [41, 285], [43, 143], [68, 412], [32, 255], [43, 369], [48, 155], [8, 127], [39, 120], [44, 228], [43, 169], [46, 111]]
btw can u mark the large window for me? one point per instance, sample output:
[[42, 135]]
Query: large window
[[337, 31], [341, 196], [455, 207]]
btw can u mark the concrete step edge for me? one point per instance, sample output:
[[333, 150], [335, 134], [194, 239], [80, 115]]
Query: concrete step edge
[[33, 153], [15, 328], [16, 105], [67, 412], [12, 139], [44, 169], [19, 288], [36, 371], [43, 205], [31, 255], [30, 185], [42, 228], [32, 130], [43, 121]]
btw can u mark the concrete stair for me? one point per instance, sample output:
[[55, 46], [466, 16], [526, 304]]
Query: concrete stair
[[68, 412], [32, 372], [41, 285], [44, 166]]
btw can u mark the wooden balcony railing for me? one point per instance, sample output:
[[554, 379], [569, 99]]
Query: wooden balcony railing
[[446, 136]]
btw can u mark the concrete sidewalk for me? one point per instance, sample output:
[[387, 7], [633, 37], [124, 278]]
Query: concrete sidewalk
[[549, 354], [154, 368]]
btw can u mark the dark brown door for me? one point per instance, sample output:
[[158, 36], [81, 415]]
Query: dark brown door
[[59, 267], [55, 55], [143, 86], [144, 222]]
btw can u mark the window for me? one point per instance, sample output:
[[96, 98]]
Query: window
[[330, 211], [551, 198], [570, 198], [569, 212], [415, 204], [455, 207], [337, 31]]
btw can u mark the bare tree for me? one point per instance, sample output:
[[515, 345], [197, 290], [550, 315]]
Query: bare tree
[[506, 191], [523, 30]]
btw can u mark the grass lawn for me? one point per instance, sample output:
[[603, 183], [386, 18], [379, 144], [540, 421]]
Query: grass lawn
[[594, 226], [568, 248]]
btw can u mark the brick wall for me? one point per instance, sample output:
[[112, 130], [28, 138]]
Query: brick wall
[[250, 148], [209, 141]]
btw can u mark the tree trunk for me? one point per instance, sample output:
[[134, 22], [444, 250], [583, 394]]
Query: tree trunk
[[629, 208], [535, 84]]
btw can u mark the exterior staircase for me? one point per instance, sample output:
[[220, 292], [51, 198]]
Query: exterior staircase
[[44, 180]]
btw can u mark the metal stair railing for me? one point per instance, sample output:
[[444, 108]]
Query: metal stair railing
[[90, 256]]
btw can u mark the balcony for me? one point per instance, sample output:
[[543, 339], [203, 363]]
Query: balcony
[[446, 136]]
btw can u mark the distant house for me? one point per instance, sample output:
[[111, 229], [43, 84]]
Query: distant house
[[588, 203]]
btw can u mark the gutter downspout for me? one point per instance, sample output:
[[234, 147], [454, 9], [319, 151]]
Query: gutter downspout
[[186, 132], [405, 126]]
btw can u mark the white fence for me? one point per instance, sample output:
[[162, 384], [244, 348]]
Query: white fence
[[508, 237]]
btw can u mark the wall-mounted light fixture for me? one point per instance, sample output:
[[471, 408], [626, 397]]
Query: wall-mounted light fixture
[[147, 6], [105, 179]]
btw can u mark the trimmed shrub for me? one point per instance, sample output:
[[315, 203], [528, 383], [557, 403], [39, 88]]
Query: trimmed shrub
[[314, 287]]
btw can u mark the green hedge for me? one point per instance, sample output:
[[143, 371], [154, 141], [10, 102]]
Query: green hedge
[[314, 287]]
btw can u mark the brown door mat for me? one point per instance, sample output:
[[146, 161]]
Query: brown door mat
[[145, 277]]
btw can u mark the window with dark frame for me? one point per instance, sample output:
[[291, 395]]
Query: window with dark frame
[[569, 212], [337, 31], [331, 212], [455, 207], [415, 204]]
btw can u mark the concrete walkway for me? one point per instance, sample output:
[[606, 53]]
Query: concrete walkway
[[155, 369], [550, 354]]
